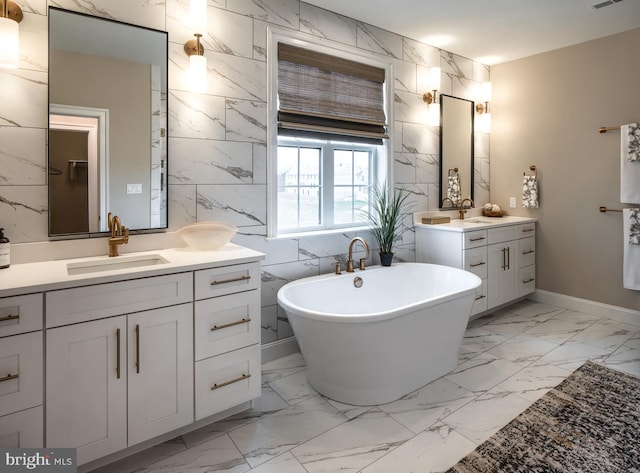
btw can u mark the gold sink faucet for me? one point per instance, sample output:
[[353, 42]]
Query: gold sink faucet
[[362, 260], [462, 210], [119, 234]]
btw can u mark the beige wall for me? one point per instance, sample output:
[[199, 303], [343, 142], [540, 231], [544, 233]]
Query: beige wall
[[546, 111]]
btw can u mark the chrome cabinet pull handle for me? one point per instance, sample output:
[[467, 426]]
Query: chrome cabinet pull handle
[[118, 353], [476, 239], [9, 377], [9, 317], [477, 264], [231, 324], [227, 383], [137, 348], [225, 281]]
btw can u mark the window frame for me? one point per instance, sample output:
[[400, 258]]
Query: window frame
[[327, 179], [383, 171]]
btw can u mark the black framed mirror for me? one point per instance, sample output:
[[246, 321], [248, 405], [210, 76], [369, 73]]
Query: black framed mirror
[[107, 124], [456, 150]]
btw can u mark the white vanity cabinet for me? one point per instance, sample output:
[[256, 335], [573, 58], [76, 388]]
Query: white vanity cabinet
[[126, 377], [501, 254], [21, 371]]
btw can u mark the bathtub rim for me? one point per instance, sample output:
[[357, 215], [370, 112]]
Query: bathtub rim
[[399, 311]]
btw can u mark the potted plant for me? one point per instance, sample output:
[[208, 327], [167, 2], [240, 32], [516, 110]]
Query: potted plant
[[385, 218]]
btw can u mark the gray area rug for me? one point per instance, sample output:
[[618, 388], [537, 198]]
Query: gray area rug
[[588, 423]]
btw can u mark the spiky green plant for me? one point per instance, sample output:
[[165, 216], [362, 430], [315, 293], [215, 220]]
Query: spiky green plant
[[385, 216]]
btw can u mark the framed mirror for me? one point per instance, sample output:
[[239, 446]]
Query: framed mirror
[[456, 150], [107, 124]]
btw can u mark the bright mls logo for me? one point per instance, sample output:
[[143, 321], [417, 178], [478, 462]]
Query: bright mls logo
[[58, 460]]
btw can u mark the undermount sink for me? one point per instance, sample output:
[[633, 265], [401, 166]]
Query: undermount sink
[[476, 220], [113, 264]]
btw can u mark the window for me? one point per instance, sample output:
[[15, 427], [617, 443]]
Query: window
[[328, 142], [322, 184]]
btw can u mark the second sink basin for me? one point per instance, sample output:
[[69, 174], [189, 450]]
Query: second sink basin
[[113, 264]]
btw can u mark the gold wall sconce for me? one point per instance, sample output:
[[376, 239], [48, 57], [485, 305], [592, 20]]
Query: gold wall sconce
[[483, 108], [10, 17], [431, 98], [194, 48]]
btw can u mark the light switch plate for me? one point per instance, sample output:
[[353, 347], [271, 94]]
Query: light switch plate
[[134, 188], [512, 202]]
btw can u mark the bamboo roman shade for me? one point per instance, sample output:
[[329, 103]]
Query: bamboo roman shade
[[329, 97]]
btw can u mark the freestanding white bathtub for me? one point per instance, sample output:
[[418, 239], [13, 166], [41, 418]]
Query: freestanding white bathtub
[[373, 344]]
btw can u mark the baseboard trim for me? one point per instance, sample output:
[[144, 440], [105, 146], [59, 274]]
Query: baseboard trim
[[278, 349], [621, 314]]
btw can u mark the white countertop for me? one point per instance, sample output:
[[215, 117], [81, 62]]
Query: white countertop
[[51, 275], [476, 223]]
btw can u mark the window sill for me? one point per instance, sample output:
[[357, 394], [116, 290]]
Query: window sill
[[333, 231]]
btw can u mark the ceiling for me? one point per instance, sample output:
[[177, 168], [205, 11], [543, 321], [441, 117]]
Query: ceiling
[[494, 31]]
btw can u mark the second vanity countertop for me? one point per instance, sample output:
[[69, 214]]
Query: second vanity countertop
[[52, 275], [473, 223]]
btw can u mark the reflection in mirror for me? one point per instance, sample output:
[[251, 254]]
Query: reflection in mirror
[[456, 150], [107, 124]]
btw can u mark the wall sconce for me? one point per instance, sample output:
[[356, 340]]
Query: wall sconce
[[197, 64], [10, 16], [193, 47], [483, 109], [431, 98]]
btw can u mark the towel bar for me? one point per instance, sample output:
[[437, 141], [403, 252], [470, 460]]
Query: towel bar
[[604, 129], [602, 208]]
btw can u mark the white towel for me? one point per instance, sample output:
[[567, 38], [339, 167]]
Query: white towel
[[629, 164], [530, 192], [631, 256]]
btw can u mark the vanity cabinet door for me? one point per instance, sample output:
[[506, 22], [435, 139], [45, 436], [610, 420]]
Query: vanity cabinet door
[[503, 270], [160, 371], [86, 391]]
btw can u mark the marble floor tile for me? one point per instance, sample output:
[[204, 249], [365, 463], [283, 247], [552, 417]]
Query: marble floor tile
[[483, 417], [572, 354], [626, 358], [563, 326], [285, 463], [523, 349], [482, 372], [294, 388], [277, 433], [606, 333], [477, 340], [282, 367], [433, 450], [352, 445], [428, 405], [533, 382], [146, 457]]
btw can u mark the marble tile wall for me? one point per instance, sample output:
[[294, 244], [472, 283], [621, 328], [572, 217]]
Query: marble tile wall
[[217, 140]]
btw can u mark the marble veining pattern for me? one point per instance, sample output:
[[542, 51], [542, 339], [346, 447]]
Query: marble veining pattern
[[293, 429]]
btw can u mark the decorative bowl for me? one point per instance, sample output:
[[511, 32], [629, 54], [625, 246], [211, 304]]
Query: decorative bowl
[[491, 213], [206, 236]]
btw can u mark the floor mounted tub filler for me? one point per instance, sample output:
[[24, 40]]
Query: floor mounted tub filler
[[370, 337]]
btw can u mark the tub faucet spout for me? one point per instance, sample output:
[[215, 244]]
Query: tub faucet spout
[[362, 260]]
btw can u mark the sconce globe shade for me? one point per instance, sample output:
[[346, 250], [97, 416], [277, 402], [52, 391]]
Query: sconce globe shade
[[484, 123], [434, 114], [198, 73], [9, 43], [198, 16], [434, 78], [486, 92]]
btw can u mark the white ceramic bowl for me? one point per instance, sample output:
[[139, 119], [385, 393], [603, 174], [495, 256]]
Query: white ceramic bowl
[[207, 235]]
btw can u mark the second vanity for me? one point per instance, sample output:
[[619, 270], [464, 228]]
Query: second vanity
[[501, 251], [104, 354]]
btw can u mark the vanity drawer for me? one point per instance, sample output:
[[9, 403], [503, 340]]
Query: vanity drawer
[[526, 252], [504, 233], [475, 239], [227, 280], [227, 380], [475, 261], [226, 323], [81, 304], [22, 429], [21, 372], [526, 280], [20, 314], [527, 230]]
